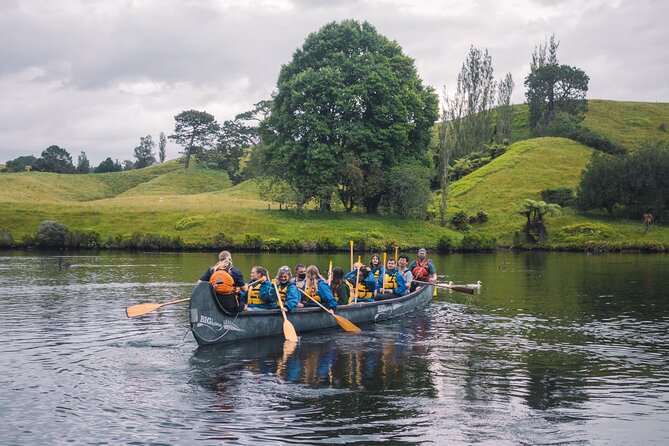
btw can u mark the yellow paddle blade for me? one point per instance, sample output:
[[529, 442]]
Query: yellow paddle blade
[[138, 310], [289, 331], [346, 324]]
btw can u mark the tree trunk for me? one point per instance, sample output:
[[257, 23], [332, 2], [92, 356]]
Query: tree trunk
[[372, 204]]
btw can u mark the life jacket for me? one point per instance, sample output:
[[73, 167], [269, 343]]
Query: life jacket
[[376, 271], [363, 293], [253, 297], [222, 282], [390, 280], [420, 271], [315, 296], [282, 291], [350, 289]]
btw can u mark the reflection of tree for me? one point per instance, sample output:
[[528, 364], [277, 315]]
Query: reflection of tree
[[556, 379]]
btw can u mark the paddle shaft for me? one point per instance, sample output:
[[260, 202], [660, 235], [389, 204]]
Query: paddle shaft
[[460, 289], [342, 321], [319, 304], [278, 299]]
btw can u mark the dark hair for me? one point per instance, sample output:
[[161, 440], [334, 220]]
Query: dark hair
[[337, 278], [404, 256], [299, 265], [372, 258]]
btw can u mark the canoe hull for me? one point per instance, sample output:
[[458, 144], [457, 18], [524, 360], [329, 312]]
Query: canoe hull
[[211, 326]]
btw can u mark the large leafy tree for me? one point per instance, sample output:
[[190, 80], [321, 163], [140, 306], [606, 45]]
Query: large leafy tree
[[22, 163], [55, 159], [348, 91], [145, 152], [108, 165], [195, 131]]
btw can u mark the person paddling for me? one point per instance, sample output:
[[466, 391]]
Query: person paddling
[[288, 292], [318, 289], [227, 282], [258, 296], [393, 282], [422, 269], [340, 287]]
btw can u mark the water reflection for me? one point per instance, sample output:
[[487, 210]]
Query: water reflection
[[358, 379]]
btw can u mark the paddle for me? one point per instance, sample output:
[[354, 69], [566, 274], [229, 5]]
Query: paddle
[[140, 309], [343, 322], [357, 282], [288, 330], [351, 242], [383, 276], [330, 273], [443, 286]]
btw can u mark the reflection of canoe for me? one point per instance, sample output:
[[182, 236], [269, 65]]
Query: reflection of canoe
[[210, 325]]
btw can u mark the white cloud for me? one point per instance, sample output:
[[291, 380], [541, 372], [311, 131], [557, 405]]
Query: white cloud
[[96, 76]]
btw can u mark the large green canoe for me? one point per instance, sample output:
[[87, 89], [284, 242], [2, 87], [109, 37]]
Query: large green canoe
[[211, 326]]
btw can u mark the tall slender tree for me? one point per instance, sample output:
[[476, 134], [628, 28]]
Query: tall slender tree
[[504, 122], [83, 165], [162, 143], [144, 152]]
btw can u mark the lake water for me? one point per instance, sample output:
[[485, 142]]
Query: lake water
[[555, 349]]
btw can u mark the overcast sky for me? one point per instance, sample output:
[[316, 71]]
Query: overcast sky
[[96, 75]]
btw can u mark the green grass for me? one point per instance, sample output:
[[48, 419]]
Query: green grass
[[630, 124], [523, 172]]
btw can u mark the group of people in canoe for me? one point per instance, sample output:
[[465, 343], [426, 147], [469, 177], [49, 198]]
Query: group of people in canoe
[[364, 283]]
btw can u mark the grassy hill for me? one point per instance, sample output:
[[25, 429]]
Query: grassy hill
[[166, 202], [630, 124]]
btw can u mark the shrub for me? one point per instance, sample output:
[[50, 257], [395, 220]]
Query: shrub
[[481, 217], [51, 234], [663, 127], [460, 221], [252, 242], [221, 241], [292, 245], [272, 244], [584, 231], [359, 240], [478, 242], [325, 244], [445, 243], [189, 222], [83, 239], [564, 196], [151, 242], [6, 239]]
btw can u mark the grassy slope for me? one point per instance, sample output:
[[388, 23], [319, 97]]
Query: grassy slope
[[631, 124], [523, 172]]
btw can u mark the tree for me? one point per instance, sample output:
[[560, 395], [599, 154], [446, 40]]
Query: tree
[[347, 91], [534, 212], [22, 164], [600, 186], [55, 159], [504, 123], [109, 166], [128, 165], [408, 190], [552, 89], [144, 152], [195, 131], [162, 143], [83, 165], [466, 117]]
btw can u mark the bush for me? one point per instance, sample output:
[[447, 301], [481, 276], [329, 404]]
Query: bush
[[445, 243], [478, 242], [189, 222], [460, 221], [481, 217], [252, 242], [51, 234], [325, 244], [6, 239], [662, 127], [583, 232], [272, 244], [564, 196], [83, 239], [151, 242], [220, 241]]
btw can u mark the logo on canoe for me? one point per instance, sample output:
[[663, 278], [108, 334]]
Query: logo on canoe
[[217, 326], [386, 310]]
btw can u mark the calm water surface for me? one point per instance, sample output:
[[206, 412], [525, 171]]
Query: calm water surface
[[556, 349]]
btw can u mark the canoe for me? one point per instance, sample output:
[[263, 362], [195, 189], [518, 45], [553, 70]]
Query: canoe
[[211, 326]]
